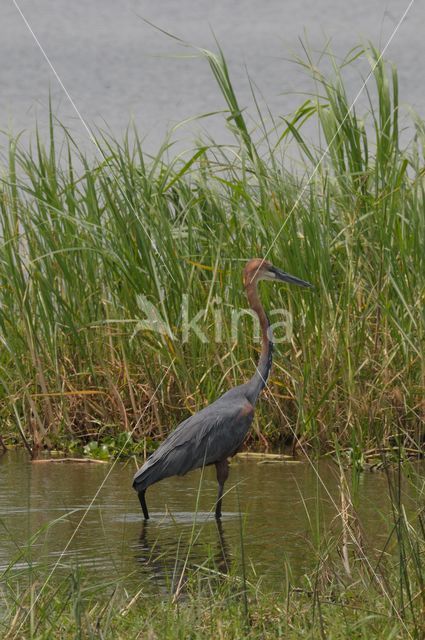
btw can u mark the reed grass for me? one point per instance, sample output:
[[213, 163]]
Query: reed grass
[[87, 245]]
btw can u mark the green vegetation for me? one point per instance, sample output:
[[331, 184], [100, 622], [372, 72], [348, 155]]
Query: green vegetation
[[88, 246], [89, 249]]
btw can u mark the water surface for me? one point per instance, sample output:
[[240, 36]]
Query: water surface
[[282, 506], [116, 66]]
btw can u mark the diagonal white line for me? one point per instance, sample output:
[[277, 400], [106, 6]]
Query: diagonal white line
[[87, 128], [46, 57], [102, 484], [268, 251], [93, 139], [354, 539], [396, 28]]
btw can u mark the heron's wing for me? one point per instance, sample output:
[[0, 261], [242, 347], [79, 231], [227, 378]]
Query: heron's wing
[[208, 436]]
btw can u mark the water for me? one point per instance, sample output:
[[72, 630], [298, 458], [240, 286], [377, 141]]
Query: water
[[115, 66], [282, 505]]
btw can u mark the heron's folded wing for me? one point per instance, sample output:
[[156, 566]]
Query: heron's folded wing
[[206, 437]]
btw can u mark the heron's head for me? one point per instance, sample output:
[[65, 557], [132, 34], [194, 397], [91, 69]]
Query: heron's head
[[260, 269]]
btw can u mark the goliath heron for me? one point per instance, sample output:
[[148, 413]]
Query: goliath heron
[[217, 432]]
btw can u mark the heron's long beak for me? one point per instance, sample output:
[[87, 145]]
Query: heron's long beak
[[286, 277]]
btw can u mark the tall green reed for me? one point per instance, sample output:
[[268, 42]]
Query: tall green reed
[[88, 245]]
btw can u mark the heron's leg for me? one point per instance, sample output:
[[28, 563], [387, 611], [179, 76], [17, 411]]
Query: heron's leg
[[222, 469], [144, 506]]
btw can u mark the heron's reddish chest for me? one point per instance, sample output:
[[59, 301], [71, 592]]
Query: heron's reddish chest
[[247, 410]]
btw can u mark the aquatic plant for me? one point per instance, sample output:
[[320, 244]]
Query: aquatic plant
[[97, 253]]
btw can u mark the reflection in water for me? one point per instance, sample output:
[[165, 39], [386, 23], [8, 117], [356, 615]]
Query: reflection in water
[[168, 565], [152, 559], [223, 553], [284, 507]]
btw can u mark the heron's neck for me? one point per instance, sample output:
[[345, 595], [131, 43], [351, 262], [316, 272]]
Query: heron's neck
[[259, 379]]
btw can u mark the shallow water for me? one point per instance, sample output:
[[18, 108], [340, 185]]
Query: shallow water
[[96, 522]]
